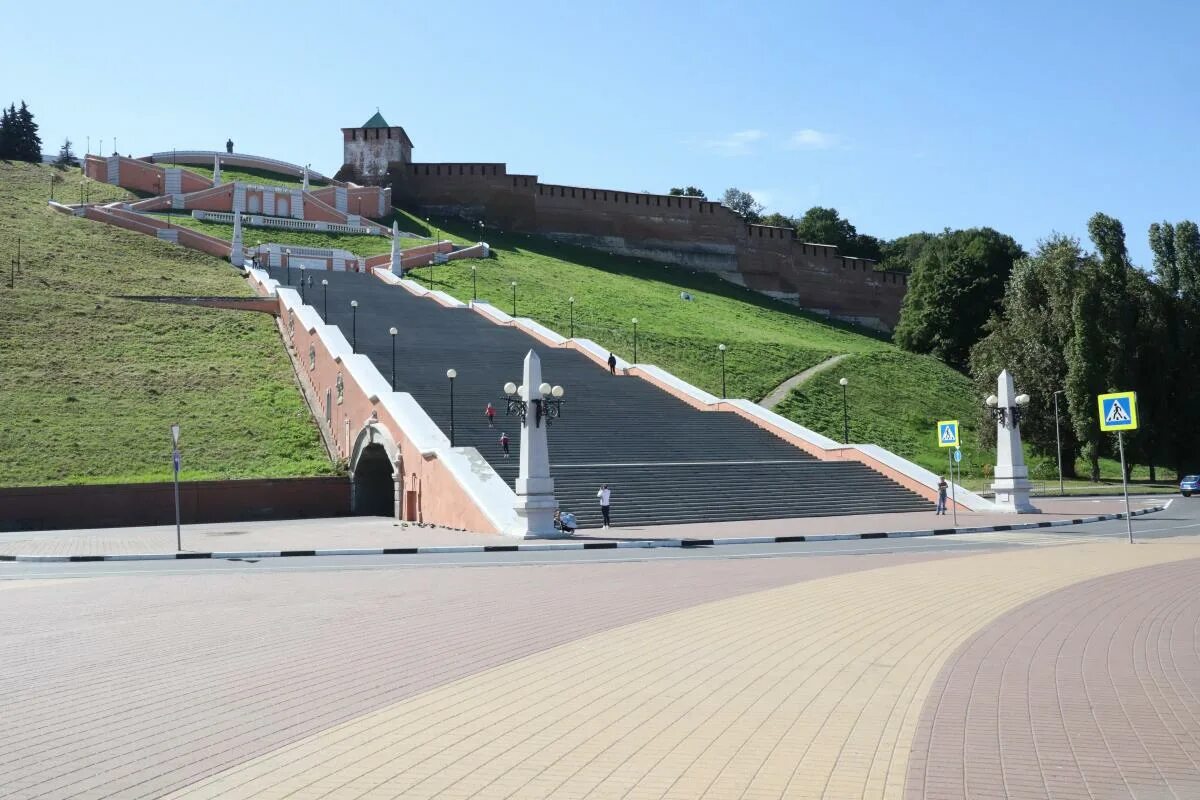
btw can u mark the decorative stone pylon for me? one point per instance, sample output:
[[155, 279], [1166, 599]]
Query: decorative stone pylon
[[1012, 477], [304, 185], [237, 256], [216, 170], [396, 267], [535, 504]]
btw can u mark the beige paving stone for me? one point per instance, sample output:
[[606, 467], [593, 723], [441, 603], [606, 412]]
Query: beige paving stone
[[807, 690]]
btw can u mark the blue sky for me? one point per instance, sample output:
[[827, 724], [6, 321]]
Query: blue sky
[[1025, 116]]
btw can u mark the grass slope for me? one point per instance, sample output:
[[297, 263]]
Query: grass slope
[[358, 244], [261, 177], [90, 383], [895, 397]]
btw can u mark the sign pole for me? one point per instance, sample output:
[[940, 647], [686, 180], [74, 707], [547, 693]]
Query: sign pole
[[953, 503], [1125, 485], [175, 464]]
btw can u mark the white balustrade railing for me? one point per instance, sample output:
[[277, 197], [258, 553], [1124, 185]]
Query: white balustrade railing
[[287, 223]]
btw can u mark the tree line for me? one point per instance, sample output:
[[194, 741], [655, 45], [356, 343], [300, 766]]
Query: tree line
[[1079, 323], [19, 140]]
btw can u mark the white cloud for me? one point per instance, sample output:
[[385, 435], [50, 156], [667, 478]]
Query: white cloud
[[810, 139], [764, 196], [735, 144]]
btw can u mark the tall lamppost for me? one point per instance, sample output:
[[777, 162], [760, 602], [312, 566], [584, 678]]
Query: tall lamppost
[[514, 288], [303, 269], [451, 374], [393, 332], [474, 286], [325, 303], [571, 305], [353, 326], [635, 340], [1058, 441], [721, 347], [287, 264], [844, 382]]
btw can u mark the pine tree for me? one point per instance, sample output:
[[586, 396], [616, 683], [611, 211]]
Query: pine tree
[[29, 144], [66, 157], [8, 133]]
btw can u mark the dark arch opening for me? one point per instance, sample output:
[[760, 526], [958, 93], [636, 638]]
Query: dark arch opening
[[374, 487]]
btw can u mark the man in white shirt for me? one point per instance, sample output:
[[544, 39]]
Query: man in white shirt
[[605, 496]]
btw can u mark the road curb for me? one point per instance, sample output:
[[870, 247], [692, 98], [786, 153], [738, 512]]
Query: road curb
[[551, 546]]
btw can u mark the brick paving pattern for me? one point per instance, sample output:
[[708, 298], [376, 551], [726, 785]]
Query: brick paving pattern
[[1093, 691], [130, 687], [812, 689]]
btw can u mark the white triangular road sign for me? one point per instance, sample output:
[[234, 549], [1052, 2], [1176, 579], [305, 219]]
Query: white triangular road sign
[[1116, 414]]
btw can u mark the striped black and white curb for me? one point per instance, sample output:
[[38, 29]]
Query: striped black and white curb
[[569, 545]]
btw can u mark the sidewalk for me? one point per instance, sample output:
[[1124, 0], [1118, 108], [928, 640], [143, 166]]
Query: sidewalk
[[367, 533]]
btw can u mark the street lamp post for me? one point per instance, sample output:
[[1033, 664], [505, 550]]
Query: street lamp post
[[721, 347], [571, 305], [353, 326], [325, 303], [175, 459], [451, 374], [474, 285], [844, 382], [393, 332], [635, 340], [287, 264], [514, 288], [1058, 441], [303, 269]]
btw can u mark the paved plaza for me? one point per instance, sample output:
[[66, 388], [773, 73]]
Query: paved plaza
[[1022, 666], [374, 532]]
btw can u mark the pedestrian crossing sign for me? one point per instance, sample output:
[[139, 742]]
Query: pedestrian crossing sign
[[1118, 411], [947, 432]]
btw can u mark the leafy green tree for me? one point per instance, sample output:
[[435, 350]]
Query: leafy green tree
[[1087, 365], [687, 191], [826, 226], [1030, 337], [956, 285], [743, 204], [1162, 244], [900, 255], [1187, 259], [778, 220], [1118, 313]]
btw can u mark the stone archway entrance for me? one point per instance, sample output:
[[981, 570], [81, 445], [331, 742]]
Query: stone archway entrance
[[373, 473]]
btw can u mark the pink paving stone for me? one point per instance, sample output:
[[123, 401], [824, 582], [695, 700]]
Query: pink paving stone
[[1091, 691], [134, 686]]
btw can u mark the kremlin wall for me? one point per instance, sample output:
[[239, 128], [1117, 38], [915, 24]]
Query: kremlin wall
[[687, 231]]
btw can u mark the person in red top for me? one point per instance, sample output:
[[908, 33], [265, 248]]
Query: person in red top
[[490, 413], [504, 443]]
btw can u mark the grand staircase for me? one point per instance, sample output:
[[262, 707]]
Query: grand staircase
[[664, 461]]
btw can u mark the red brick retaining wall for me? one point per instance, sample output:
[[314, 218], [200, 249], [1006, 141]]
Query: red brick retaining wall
[[52, 507]]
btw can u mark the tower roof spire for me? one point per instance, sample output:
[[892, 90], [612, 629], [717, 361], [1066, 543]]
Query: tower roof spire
[[377, 121]]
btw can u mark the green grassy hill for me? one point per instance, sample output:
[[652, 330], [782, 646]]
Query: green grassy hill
[[261, 177], [768, 341], [91, 383], [895, 397]]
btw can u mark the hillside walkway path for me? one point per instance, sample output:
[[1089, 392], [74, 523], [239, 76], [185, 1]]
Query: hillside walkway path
[[776, 395]]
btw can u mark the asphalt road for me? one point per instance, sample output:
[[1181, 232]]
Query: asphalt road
[[1181, 518]]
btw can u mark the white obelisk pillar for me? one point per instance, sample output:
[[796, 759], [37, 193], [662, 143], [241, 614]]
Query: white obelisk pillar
[[216, 170], [304, 186], [1012, 478], [535, 488], [396, 267], [236, 254]]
